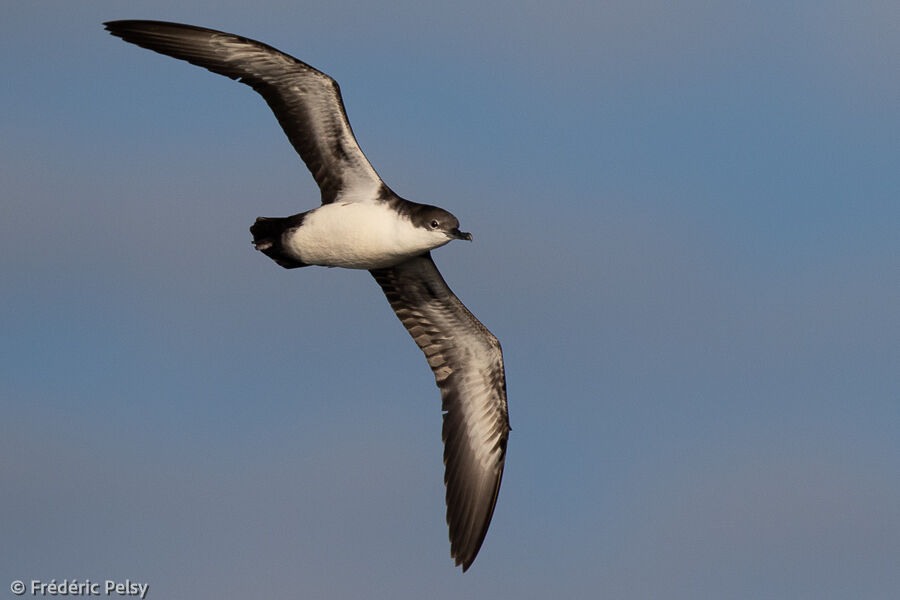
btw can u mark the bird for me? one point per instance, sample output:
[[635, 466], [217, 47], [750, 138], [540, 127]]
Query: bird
[[362, 224]]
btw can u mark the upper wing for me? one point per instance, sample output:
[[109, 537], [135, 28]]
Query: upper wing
[[306, 102], [468, 367]]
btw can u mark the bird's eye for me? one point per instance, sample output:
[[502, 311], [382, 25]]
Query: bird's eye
[[434, 224]]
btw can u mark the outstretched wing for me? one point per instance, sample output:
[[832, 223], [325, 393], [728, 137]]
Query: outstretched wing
[[468, 368], [306, 102]]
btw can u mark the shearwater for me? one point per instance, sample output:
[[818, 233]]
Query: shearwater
[[362, 224]]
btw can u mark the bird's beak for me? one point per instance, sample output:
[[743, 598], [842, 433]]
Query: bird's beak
[[460, 235]]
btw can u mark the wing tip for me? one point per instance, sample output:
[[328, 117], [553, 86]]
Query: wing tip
[[117, 27], [466, 539], [464, 559], [465, 564]]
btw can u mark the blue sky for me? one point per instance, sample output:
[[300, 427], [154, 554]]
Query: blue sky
[[686, 237]]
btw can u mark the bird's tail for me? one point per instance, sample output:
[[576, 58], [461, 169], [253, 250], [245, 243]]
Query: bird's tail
[[268, 237]]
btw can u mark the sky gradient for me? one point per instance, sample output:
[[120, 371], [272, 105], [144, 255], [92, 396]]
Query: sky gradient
[[686, 238]]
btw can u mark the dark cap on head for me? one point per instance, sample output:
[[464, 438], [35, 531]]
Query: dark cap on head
[[437, 219]]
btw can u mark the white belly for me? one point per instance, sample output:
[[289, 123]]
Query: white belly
[[359, 236]]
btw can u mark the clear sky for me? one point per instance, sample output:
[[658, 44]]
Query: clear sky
[[687, 238]]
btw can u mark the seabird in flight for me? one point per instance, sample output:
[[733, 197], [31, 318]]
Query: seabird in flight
[[362, 224]]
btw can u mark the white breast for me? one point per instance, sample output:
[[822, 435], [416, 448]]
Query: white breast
[[360, 236]]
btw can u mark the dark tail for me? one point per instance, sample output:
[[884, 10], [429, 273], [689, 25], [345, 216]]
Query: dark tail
[[268, 237]]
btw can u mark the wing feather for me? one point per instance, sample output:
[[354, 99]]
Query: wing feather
[[306, 102], [468, 367]]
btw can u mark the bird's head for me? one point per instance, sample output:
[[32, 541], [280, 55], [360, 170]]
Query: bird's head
[[440, 223]]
